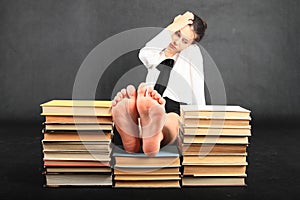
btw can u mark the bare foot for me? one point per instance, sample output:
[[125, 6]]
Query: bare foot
[[150, 106], [125, 117]]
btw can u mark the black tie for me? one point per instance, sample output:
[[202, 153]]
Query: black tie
[[165, 68]]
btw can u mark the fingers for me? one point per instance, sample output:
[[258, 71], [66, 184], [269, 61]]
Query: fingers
[[177, 17], [189, 15]]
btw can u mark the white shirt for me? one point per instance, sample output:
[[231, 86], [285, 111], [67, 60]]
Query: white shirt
[[186, 82]]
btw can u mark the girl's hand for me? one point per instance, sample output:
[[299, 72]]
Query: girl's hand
[[181, 21]]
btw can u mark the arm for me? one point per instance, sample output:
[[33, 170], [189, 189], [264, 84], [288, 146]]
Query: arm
[[151, 54]]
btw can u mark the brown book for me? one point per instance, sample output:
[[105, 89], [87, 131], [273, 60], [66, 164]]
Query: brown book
[[147, 161], [78, 119], [215, 139], [76, 156], [214, 159], [146, 177], [213, 181], [146, 171], [78, 170], [202, 122], [69, 163], [216, 131], [214, 148], [215, 111], [76, 146], [148, 184], [80, 127], [215, 170], [54, 180], [76, 108], [77, 136]]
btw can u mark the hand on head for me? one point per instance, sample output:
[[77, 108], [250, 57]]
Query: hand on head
[[181, 21]]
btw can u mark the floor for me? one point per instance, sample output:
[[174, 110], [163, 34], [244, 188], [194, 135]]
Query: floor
[[273, 171]]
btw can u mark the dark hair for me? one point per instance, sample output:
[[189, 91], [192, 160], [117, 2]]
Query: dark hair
[[199, 27]]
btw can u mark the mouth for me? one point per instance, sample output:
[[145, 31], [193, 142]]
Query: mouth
[[172, 46]]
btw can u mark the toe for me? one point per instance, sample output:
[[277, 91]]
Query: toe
[[119, 94], [161, 101], [142, 89], [131, 91], [124, 93]]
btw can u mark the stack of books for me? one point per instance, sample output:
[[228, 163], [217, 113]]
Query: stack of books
[[139, 170], [77, 142], [214, 141]]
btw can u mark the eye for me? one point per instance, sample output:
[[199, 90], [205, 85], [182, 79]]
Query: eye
[[177, 33]]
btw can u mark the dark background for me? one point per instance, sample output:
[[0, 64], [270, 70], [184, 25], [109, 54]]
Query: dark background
[[255, 45]]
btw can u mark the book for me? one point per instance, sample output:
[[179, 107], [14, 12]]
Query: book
[[76, 156], [216, 131], [145, 171], [77, 136], [78, 119], [80, 127], [213, 181], [78, 163], [215, 170], [200, 122], [143, 177], [76, 108], [215, 139], [147, 162], [214, 159], [169, 156], [215, 111], [75, 146], [214, 148], [78, 169], [67, 179], [148, 184]]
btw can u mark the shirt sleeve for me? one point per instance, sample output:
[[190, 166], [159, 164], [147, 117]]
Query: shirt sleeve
[[197, 76], [151, 54]]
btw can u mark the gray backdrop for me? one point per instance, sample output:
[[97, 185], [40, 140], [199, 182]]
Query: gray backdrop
[[255, 45]]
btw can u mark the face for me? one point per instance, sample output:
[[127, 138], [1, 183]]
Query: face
[[181, 39]]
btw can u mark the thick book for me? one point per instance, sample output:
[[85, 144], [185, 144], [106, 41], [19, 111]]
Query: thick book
[[75, 146], [66, 179], [215, 139], [215, 111], [76, 108], [214, 159], [78, 127], [215, 170], [166, 157], [78, 136], [200, 122], [214, 149], [78, 119], [216, 131], [213, 181], [143, 177], [146, 171], [78, 170], [148, 184], [76, 156], [78, 163]]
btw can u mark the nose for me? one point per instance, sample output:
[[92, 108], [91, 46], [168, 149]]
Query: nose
[[175, 42]]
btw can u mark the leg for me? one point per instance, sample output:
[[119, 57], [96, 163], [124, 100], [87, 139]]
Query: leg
[[125, 117], [150, 106], [170, 129]]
